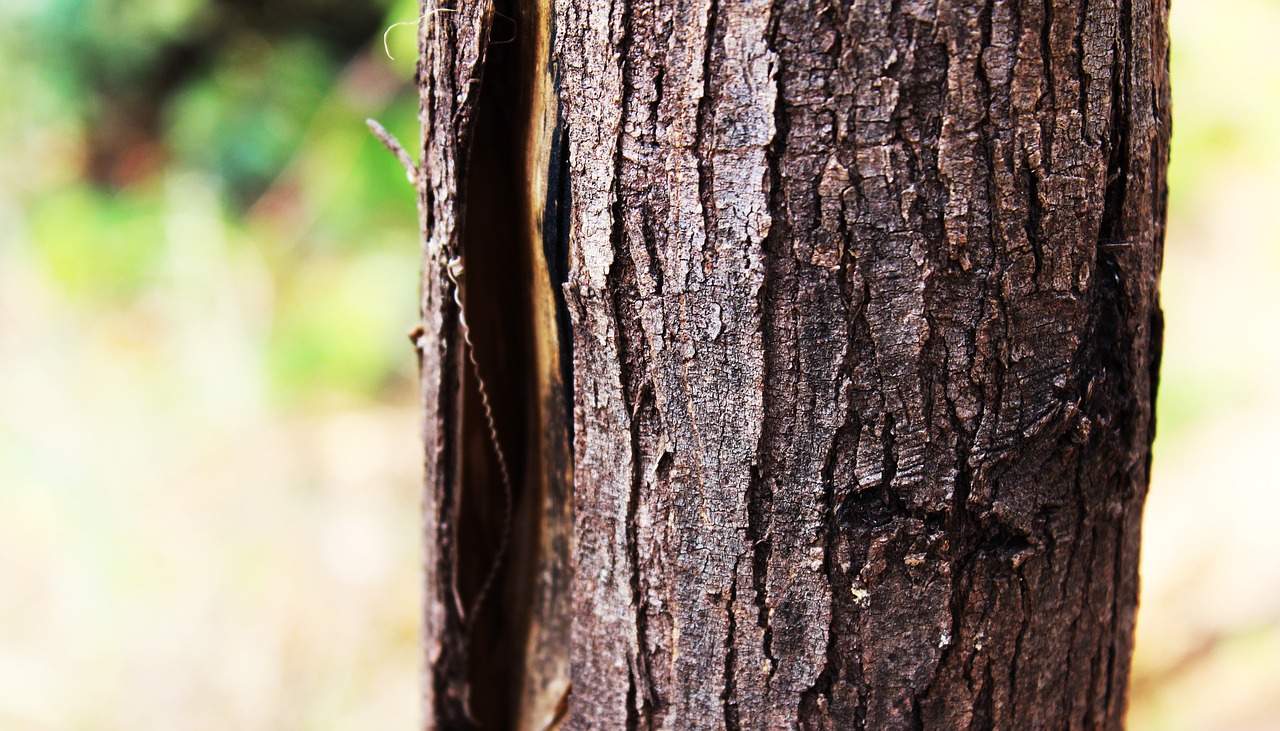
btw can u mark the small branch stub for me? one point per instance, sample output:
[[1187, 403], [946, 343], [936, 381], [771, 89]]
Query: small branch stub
[[390, 142]]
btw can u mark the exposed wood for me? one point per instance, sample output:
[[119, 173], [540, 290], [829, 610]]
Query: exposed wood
[[549, 499], [497, 653]]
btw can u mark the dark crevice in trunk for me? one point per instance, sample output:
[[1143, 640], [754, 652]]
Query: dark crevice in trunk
[[515, 254], [1046, 57], [555, 249], [704, 124], [1034, 226], [1078, 69], [818, 696], [495, 251], [728, 696], [633, 714], [776, 249], [983, 705]]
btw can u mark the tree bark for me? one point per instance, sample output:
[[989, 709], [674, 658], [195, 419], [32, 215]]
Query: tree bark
[[860, 333]]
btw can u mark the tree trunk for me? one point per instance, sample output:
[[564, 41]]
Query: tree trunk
[[855, 309]]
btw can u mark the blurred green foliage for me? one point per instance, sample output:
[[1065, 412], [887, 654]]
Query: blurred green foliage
[[109, 103], [208, 456]]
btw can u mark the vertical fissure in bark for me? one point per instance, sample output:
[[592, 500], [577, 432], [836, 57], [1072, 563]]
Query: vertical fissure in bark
[[1035, 221], [555, 242], [704, 120], [638, 672], [984, 704], [633, 712], [759, 497], [1046, 59], [1079, 71], [494, 192], [638, 404], [498, 290], [728, 698], [759, 504]]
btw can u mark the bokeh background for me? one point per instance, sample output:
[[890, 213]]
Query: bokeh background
[[208, 438]]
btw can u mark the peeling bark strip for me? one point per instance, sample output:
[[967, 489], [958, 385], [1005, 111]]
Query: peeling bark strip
[[865, 339], [452, 58]]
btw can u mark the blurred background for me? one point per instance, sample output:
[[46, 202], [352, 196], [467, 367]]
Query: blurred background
[[208, 430], [208, 439]]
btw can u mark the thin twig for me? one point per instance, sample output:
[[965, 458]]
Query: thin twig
[[390, 142]]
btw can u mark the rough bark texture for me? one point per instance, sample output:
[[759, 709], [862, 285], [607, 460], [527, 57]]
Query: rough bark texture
[[452, 56], [865, 340], [865, 334]]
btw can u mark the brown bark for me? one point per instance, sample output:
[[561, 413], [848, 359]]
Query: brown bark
[[862, 300]]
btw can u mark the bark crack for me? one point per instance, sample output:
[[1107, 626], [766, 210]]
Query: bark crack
[[728, 697]]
